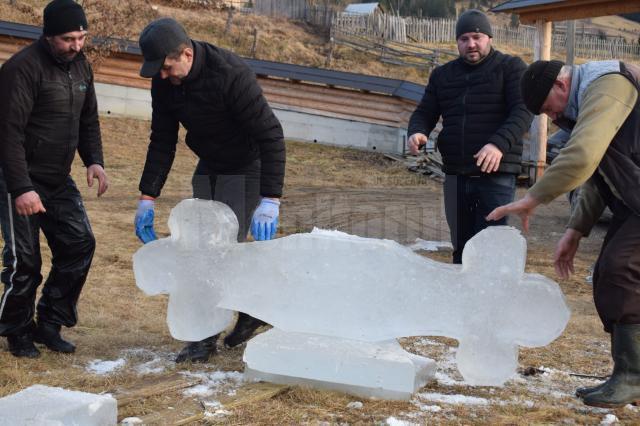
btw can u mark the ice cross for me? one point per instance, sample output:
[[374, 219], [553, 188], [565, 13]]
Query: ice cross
[[333, 284]]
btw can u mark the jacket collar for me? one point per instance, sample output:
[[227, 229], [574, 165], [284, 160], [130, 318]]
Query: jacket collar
[[198, 62]]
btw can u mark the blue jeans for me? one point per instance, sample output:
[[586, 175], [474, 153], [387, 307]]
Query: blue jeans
[[469, 199]]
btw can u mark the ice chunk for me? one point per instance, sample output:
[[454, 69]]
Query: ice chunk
[[174, 266], [381, 369], [334, 284], [47, 406]]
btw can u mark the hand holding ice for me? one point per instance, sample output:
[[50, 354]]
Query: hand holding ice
[[335, 284]]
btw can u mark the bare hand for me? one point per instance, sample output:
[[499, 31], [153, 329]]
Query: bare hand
[[565, 252], [415, 141], [29, 204], [488, 158], [96, 171], [524, 208]]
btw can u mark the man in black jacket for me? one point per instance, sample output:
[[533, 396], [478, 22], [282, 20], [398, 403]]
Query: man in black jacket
[[484, 119], [232, 130], [48, 112]]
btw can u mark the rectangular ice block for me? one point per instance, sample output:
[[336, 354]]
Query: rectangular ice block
[[48, 406], [381, 369]]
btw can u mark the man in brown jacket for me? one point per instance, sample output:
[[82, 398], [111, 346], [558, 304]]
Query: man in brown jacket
[[598, 104]]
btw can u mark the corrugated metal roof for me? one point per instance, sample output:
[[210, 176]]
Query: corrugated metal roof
[[400, 88], [519, 4], [361, 8]]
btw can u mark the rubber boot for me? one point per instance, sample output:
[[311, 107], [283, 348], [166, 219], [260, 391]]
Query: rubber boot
[[198, 351], [582, 391], [243, 330], [49, 335], [624, 385], [21, 345]]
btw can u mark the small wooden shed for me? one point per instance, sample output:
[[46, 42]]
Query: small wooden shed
[[364, 8], [542, 13]]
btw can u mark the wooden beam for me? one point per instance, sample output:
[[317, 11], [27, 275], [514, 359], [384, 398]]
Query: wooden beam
[[572, 10], [538, 131]]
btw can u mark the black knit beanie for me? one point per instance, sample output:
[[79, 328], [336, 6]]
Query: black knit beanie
[[63, 16], [537, 81], [473, 21]]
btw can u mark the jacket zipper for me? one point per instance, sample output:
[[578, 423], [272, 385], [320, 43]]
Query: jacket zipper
[[464, 117], [70, 113]]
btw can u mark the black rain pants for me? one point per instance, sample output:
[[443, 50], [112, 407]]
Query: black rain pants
[[66, 228]]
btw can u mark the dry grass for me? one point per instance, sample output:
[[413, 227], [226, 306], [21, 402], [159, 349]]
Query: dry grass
[[118, 321]]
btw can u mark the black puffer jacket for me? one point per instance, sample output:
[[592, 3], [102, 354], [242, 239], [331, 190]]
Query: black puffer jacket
[[48, 110], [479, 104], [229, 123]]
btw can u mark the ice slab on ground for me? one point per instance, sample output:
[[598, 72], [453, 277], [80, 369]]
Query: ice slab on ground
[[369, 369], [334, 284], [40, 405]]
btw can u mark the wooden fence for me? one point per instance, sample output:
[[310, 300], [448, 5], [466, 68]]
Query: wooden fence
[[390, 52], [316, 14], [403, 30]]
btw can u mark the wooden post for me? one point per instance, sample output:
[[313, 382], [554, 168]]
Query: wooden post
[[254, 46], [227, 27], [327, 62], [538, 131], [571, 41]]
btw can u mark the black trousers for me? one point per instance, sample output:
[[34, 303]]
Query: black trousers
[[469, 199], [616, 276], [69, 236], [239, 190]]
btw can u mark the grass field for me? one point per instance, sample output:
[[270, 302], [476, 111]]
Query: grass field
[[326, 187]]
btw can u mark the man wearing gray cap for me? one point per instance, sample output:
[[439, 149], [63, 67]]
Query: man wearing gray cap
[[230, 127], [483, 121], [49, 111]]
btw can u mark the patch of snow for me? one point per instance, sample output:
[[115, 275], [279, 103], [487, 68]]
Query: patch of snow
[[100, 367], [444, 380], [355, 405], [425, 245], [427, 407], [155, 366], [453, 399], [609, 419], [131, 421], [632, 408], [213, 382], [392, 421], [423, 341]]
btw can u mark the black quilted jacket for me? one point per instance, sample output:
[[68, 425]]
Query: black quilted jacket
[[228, 121]]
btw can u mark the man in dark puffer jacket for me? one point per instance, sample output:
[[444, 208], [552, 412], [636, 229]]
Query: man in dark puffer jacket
[[232, 130], [484, 119], [48, 112]]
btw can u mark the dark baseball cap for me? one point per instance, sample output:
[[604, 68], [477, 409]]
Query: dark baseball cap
[[160, 38]]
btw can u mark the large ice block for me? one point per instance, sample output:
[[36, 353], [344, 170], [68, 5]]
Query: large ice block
[[334, 284], [40, 405], [382, 370]]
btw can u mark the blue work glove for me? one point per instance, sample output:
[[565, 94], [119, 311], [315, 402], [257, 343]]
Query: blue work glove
[[144, 221], [265, 220]]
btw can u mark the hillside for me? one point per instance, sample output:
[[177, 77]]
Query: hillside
[[278, 39]]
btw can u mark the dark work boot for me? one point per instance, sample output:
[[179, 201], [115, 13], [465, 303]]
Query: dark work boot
[[198, 351], [582, 391], [624, 385], [21, 345], [49, 335], [243, 330]]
